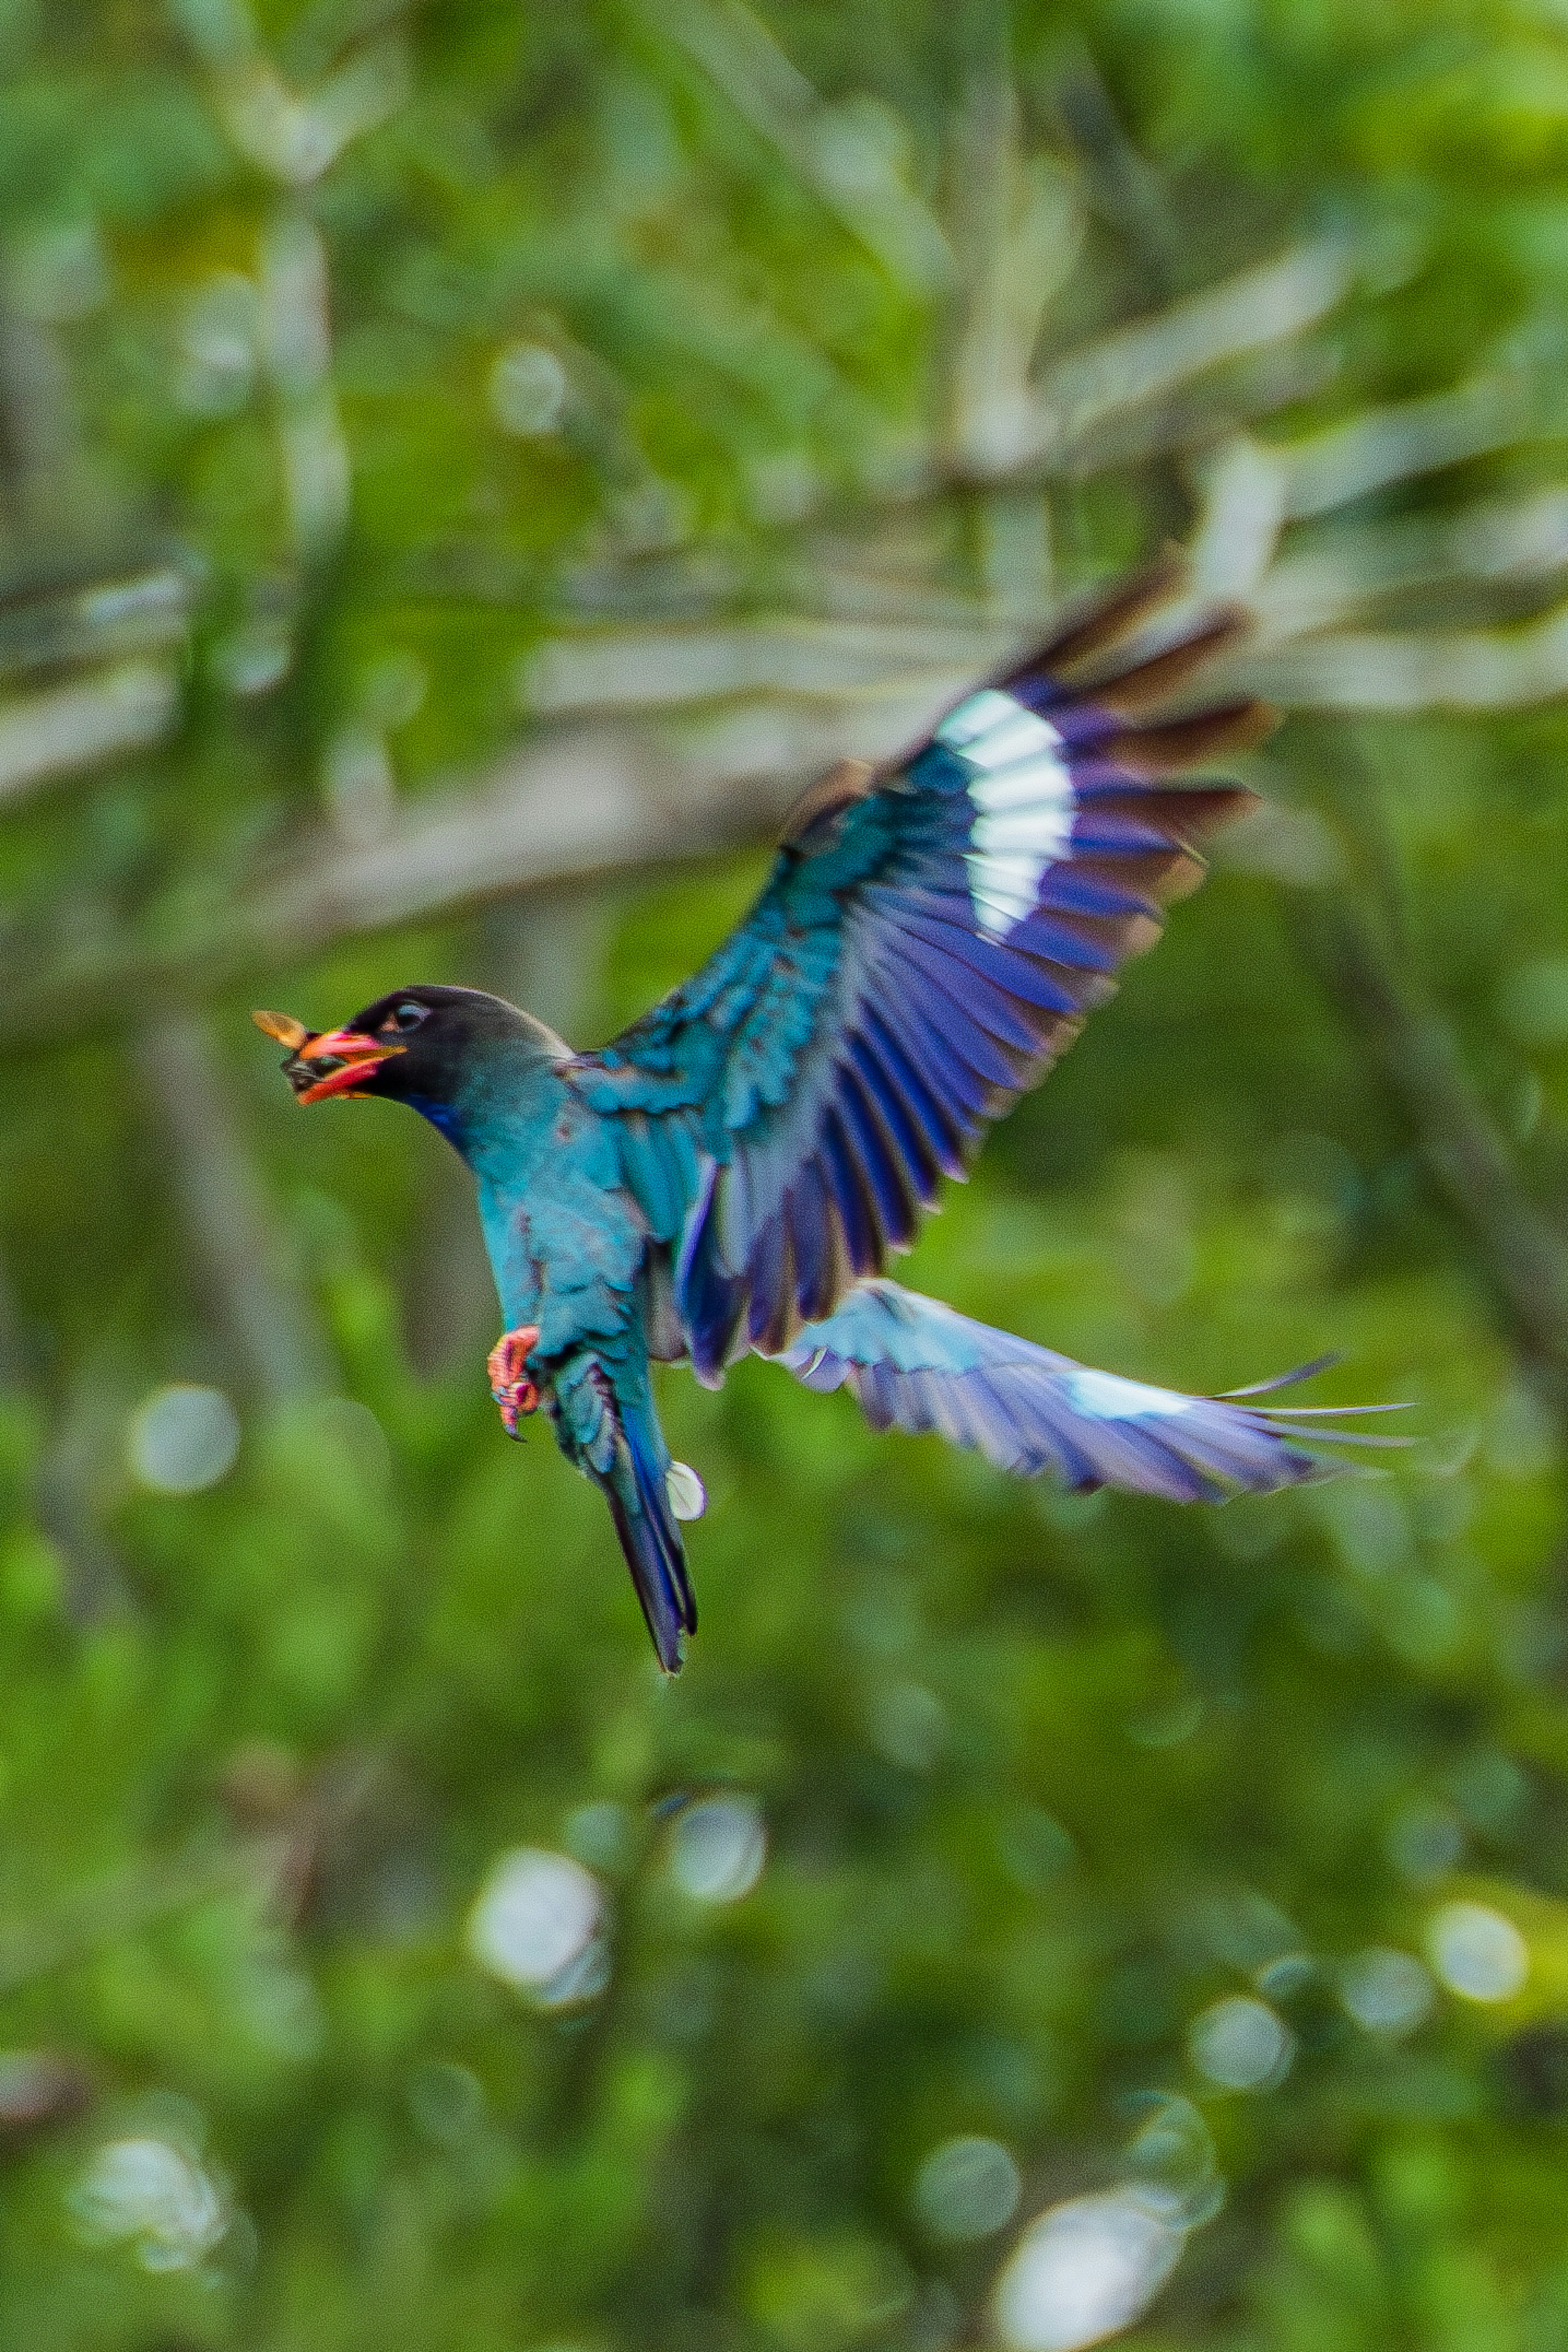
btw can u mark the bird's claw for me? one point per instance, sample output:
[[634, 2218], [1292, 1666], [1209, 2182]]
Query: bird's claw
[[515, 1392]]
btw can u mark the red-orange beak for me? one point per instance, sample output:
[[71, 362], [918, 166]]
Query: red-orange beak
[[351, 1054]]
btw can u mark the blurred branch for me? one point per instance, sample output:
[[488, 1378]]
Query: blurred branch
[[1517, 543], [236, 1247], [845, 154], [1123, 187], [1397, 443], [755, 708], [1142, 391], [1432, 669], [296, 338], [783, 700], [1352, 938], [1253, 489], [1126, 191], [831, 660], [589, 802], [855, 657], [1522, 1253], [82, 1922], [1240, 519], [72, 727], [1018, 228], [1151, 358], [292, 135], [45, 624], [1187, 420], [1355, 941]]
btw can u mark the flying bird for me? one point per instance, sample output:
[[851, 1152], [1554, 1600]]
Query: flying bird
[[734, 1172]]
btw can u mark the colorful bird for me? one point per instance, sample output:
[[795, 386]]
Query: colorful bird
[[734, 1172]]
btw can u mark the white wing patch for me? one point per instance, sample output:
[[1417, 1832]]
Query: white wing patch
[[1106, 1396], [1022, 794]]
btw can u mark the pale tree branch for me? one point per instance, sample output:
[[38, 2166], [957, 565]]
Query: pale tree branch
[[586, 801], [1355, 941], [235, 1242], [834, 151], [1522, 1250]]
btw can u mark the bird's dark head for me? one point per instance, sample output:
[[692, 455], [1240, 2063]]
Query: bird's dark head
[[422, 1046]]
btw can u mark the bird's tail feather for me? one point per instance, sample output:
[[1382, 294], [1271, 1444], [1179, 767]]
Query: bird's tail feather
[[636, 1488], [606, 1423], [917, 1365]]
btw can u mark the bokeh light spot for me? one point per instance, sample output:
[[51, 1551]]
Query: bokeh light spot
[[155, 2198], [1476, 1952], [527, 390], [1387, 1990], [1086, 2269], [183, 1439], [1172, 2156], [536, 1913], [583, 1978], [1424, 1841], [908, 1725], [966, 2189], [1240, 2044], [718, 1848]]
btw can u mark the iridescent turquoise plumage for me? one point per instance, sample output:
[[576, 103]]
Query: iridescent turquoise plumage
[[734, 1172]]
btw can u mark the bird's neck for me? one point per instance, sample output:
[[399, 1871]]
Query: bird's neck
[[495, 1112]]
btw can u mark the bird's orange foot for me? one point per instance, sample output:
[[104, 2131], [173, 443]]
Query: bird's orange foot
[[515, 1393]]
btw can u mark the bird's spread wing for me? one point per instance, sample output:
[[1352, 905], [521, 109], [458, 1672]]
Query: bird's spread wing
[[929, 942], [917, 1365]]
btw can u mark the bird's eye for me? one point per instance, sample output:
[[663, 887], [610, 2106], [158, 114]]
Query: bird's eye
[[407, 1016]]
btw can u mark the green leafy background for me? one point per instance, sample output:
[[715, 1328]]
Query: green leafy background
[[393, 350]]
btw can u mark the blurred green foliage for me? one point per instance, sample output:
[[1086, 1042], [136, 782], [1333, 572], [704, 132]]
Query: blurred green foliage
[[394, 336]]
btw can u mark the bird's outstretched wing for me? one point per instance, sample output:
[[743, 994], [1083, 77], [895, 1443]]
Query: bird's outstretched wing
[[929, 942], [917, 1365]]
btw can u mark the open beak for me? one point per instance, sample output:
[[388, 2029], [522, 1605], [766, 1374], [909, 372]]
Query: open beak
[[348, 1053], [327, 1061]]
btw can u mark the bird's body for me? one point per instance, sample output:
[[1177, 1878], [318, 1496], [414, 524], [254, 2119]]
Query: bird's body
[[732, 1173], [568, 1249]]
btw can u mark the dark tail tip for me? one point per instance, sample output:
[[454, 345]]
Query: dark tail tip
[[651, 1540]]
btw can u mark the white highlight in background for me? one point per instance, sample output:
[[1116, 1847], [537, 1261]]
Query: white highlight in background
[[718, 1848], [1476, 1952], [183, 1439], [150, 2196], [1088, 2268], [536, 1913], [966, 2189], [1241, 2043], [1386, 1991], [528, 388]]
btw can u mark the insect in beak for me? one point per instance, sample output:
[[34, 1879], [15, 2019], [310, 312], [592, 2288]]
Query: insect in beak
[[323, 1062]]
